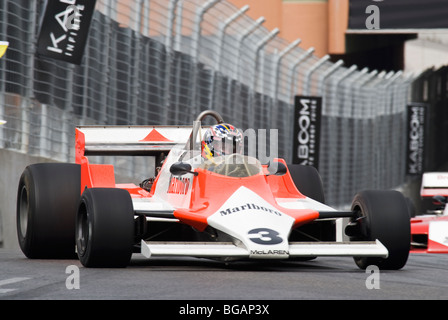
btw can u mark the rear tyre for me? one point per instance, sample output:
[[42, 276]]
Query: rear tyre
[[47, 201], [307, 181], [383, 215], [105, 228], [411, 207]]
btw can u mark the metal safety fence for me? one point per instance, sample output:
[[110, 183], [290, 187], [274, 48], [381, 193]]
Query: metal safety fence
[[162, 62]]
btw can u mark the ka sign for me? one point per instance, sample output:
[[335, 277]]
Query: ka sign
[[64, 29]]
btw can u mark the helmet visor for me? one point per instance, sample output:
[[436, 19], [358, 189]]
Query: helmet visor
[[229, 144]]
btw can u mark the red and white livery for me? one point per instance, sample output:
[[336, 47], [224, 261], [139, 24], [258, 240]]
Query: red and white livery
[[228, 208]]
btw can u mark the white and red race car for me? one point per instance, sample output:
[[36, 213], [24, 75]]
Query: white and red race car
[[430, 230], [232, 208]]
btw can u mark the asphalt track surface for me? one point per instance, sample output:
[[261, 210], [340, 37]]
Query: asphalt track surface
[[425, 276]]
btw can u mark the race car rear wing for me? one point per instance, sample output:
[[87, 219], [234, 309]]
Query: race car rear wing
[[130, 140], [433, 184]]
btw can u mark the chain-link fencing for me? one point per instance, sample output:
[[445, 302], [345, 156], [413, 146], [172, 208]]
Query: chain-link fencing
[[162, 62]]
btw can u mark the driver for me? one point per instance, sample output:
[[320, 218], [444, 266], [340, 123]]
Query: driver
[[222, 149], [221, 139]]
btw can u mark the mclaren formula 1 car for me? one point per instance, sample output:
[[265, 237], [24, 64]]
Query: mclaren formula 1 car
[[429, 231], [231, 208]]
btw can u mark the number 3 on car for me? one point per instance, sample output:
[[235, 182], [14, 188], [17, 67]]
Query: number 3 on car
[[265, 236]]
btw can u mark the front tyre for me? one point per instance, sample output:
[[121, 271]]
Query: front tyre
[[383, 215], [105, 228]]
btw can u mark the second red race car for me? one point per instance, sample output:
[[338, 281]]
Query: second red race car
[[430, 230]]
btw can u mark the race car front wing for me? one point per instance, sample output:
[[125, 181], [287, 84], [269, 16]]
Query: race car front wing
[[227, 250]]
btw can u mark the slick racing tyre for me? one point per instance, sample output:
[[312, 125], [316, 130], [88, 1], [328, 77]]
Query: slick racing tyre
[[411, 208], [47, 202], [105, 228], [383, 215], [307, 181]]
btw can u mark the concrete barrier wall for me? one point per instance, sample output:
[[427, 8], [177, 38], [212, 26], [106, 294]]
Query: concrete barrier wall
[[12, 164]]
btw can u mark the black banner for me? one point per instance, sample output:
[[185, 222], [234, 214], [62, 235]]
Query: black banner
[[398, 14], [64, 29], [416, 133], [307, 130]]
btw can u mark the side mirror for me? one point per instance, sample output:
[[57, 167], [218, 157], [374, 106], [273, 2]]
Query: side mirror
[[277, 169], [181, 168], [439, 201]]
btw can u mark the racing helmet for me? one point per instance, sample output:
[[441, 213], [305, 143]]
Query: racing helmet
[[221, 139]]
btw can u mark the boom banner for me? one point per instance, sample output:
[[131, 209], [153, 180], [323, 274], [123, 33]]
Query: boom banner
[[416, 133], [307, 119], [64, 29]]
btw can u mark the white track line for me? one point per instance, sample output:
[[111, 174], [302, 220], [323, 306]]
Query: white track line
[[9, 281]]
